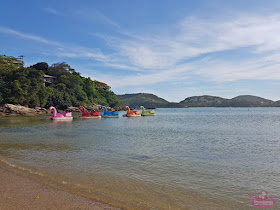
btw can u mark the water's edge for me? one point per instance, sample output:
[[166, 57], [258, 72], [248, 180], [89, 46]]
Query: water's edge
[[196, 200]]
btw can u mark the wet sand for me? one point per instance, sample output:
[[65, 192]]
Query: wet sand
[[18, 192]]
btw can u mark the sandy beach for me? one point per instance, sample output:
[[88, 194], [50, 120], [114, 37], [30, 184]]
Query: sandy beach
[[18, 192]]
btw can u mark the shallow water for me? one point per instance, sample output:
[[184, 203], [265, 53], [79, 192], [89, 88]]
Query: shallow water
[[178, 159]]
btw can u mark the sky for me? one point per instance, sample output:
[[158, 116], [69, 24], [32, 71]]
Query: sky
[[172, 48]]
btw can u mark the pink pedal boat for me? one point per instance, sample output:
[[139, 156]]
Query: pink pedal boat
[[61, 115], [89, 115]]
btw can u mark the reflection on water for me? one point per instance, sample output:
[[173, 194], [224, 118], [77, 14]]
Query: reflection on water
[[179, 158]]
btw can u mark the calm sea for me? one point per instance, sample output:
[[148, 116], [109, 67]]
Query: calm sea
[[192, 158]]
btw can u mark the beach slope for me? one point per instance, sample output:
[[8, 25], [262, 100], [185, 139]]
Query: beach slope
[[18, 192]]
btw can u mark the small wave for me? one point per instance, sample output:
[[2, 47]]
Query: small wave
[[141, 157], [21, 168], [16, 130]]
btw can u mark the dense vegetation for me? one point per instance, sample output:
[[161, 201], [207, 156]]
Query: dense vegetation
[[239, 101], [25, 86], [203, 101], [147, 100], [152, 101]]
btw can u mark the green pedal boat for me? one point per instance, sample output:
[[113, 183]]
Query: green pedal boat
[[147, 112]]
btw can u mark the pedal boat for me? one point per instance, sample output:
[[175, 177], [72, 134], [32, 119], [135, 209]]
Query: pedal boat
[[131, 113], [89, 115], [60, 116], [109, 114], [147, 112]]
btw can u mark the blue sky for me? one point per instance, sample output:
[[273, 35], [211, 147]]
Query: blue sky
[[174, 49]]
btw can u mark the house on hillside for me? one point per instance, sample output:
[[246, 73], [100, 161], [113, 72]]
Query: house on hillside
[[17, 63], [103, 84], [47, 79]]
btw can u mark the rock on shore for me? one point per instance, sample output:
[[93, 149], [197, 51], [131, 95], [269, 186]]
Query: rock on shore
[[93, 108], [18, 110], [71, 109]]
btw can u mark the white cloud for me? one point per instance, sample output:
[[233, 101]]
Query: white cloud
[[53, 11], [88, 14], [161, 55], [60, 49], [217, 70], [183, 51], [103, 18], [140, 79], [27, 36]]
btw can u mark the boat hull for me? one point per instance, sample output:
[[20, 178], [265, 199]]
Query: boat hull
[[135, 115], [110, 116], [90, 117], [148, 114], [62, 118]]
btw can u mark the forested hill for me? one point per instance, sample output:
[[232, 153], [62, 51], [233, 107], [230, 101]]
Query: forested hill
[[239, 101], [152, 101], [147, 100], [26, 86], [203, 101]]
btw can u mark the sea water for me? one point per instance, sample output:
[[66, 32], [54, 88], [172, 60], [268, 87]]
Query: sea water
[[181, 158]]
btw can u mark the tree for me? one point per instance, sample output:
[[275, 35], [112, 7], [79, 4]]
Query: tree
[[9, 63], [59, 69], [20, 85], [43, 66]]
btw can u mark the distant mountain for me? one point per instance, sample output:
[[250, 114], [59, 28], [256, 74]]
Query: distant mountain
[[250, 101], [203, 101], [152, 101], [145, 99], [239, 101], [277, 103]]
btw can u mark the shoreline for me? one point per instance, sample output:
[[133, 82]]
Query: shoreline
[[19, 192], [14, 110]]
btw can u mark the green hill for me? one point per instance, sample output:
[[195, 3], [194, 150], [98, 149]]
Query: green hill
[[145, 99], [203, 101], [250, 101], [152, 101], [277, 103], [239, 101]]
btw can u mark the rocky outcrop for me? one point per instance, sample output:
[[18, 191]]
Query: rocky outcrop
[[93, 108], [18, 110], [71, 109]]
